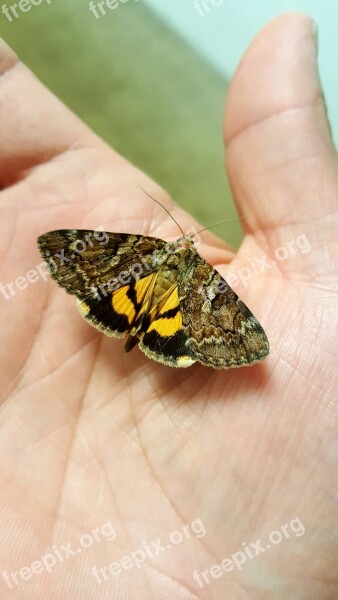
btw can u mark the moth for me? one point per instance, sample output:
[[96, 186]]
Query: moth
[[160, 295]]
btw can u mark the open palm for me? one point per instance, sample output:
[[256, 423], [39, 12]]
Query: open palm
[[103, 454]]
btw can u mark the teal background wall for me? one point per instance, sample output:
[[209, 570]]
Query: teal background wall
[[222, 35]]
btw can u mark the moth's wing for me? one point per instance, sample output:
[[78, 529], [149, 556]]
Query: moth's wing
[[116, 312], [221, 331], [82, 260], [95, 267], [163, 338]]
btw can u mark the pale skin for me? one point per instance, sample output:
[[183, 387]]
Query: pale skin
[[90, 434]]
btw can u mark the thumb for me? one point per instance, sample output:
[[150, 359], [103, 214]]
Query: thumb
[[281, 160]]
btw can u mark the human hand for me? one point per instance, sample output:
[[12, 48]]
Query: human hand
[[91, 435]]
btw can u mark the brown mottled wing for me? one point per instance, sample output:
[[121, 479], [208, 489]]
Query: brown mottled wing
[[95, 267], [221, 331], [82, 260]]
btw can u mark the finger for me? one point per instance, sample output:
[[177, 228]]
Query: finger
[[280, 157], [35, 126]]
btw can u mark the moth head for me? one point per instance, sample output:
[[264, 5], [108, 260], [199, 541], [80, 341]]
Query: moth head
[[185, 242]]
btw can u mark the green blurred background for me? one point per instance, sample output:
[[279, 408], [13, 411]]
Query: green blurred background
[[151, 78], [141, 87]]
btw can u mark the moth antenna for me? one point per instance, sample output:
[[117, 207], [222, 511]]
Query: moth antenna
[[220, 223], [164, 208]]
